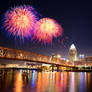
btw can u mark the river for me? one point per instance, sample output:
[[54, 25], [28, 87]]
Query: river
[[33, 81]]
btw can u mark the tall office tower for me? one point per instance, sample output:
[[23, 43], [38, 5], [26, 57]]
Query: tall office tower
[[72, 53]]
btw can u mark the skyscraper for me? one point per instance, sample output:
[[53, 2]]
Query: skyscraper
[[72, 53]]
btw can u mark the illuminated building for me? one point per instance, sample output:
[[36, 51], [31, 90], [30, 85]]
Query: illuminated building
[[72, 53], [88, 58], [81, 57], [59, 56]]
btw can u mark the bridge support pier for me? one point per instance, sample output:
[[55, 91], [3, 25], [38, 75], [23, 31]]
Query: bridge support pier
[[52, 68], [57, 68]]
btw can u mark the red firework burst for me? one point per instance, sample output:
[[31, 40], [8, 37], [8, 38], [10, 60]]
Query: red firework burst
[[46, 29], [20, 21]]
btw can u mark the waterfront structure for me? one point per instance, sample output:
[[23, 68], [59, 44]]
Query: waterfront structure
[[88, 58], [72, 53], [13, 58], [20, 55], [81, 58]]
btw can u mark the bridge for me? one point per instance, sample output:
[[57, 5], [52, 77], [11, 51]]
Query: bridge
[[37, 60], [8, 54]]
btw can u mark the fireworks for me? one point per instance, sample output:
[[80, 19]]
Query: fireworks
[[20, 21], [46, 29]]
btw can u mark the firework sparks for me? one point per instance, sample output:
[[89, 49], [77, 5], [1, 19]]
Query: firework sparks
[[20, 21], [46, 29]]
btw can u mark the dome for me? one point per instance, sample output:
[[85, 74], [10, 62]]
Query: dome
[[72, 46]]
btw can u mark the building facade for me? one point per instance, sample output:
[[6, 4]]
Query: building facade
[[72, 53], [88, 58]]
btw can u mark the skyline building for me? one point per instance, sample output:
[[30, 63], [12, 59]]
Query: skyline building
[[72, 53]]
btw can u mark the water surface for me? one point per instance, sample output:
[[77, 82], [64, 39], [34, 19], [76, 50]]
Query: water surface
[[32, 81]]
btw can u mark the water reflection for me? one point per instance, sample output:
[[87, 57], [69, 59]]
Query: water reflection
[[82, 82], [39, 77], [18, 84], [32, 81]]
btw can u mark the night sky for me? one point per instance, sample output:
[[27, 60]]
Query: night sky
[[74, 16]]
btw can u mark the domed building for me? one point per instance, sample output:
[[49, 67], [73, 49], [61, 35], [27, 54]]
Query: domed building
[[72, 53]]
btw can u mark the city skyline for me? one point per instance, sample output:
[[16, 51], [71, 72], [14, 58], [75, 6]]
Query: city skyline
[[72, 16]]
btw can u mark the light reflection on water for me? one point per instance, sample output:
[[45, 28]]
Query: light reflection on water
[[18, 84], [32, 81]]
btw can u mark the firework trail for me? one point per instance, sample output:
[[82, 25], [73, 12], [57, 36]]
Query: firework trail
[[20, 21], [45, 29], [63, 41]]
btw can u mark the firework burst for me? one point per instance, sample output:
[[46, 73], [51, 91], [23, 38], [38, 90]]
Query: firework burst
[[20, 21], [46, 29]]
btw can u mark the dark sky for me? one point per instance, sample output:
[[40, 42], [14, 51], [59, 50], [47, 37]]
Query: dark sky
[[73, 15]]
